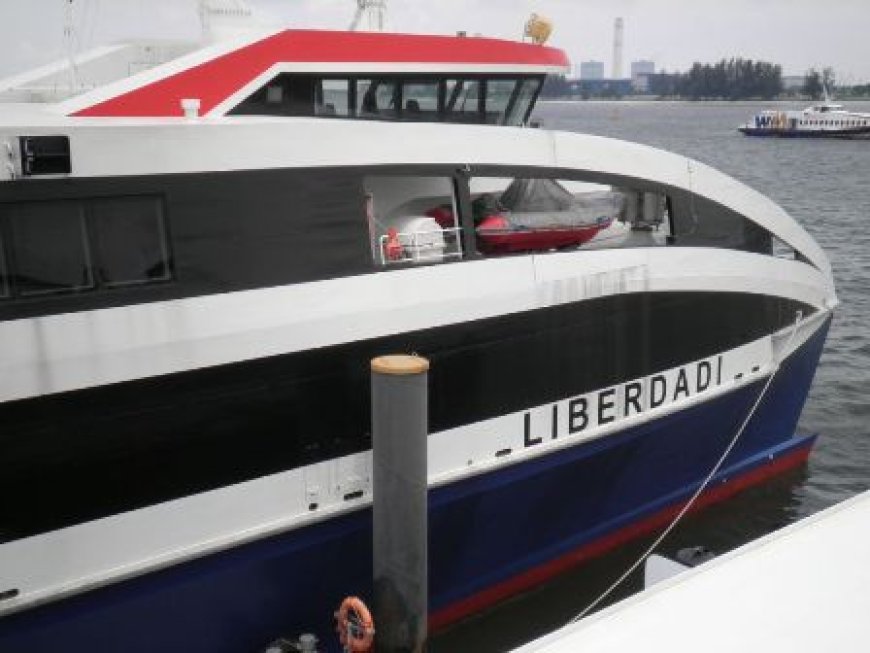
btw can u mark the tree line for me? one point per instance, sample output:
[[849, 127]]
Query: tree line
[[815, 82], [729, 79]]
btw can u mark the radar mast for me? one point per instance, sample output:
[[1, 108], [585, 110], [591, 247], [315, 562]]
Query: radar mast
[[370, 15], [69, 37], [224, 19]]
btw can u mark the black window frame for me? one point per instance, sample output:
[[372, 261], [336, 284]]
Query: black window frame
[[461, 80], [92, 250], [422, 80], [97, 254], [400, 79], [517, 81], [15, 292], [351, 95]]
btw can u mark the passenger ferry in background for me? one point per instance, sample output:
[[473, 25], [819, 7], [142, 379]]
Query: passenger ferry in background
[[199, 260], [826, 120]]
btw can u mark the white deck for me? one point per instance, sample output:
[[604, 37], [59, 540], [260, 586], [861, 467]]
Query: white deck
[[803, 588]]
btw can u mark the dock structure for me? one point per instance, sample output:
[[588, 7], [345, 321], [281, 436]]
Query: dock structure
[[803, 588]]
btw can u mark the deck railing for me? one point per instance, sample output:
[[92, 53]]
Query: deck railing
[[426, 246]]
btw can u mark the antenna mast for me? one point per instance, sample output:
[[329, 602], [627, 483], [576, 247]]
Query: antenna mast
[[222, 19], [373, 11], [69, 33]]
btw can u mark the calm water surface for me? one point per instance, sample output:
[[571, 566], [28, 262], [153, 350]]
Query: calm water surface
[[825, 185]]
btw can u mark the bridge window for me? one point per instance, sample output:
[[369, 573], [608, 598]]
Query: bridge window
[[377, 98], [430, 98], [522, 105], [463, 101], [285, 95], [420, 100], [499, 93], [333, 98]]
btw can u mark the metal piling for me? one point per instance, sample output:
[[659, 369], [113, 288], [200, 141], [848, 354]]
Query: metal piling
[[400, 532]]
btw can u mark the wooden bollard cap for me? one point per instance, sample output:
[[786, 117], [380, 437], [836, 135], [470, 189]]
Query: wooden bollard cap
[[400, 365]]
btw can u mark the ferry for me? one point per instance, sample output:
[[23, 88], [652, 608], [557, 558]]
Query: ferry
[[199, 260], [826, 120]]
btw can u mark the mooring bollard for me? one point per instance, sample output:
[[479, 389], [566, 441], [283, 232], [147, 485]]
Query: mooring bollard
[[400, 412]]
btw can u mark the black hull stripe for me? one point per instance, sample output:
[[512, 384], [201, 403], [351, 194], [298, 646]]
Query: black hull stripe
[[91, 453]]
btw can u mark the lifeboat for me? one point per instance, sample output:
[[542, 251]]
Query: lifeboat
[[538, 215], [496, 234]]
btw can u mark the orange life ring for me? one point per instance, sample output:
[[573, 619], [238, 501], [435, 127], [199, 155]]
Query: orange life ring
[[356, 630]]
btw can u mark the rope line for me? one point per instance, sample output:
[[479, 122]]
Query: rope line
[[676, 520]]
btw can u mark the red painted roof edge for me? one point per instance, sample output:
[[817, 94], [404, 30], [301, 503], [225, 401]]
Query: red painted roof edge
[[213, 80]]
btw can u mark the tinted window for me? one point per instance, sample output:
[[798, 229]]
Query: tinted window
[[285, 95], [376, 98], [463, 101], [130, 239], [45, 155], [498, 97], [50, 248], [700, 222], [416, 97], [4, 280], [523, 102], [334, 98], [420, 100]]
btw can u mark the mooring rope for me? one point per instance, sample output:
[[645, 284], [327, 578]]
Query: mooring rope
[[777, 360]]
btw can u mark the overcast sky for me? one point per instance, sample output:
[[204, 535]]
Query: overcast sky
[[673, 33]]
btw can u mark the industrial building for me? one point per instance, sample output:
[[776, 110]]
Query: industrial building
[[592, 70], [640, 72]]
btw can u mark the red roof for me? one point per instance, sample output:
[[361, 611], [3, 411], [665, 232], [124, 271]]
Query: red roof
[[214, 80]]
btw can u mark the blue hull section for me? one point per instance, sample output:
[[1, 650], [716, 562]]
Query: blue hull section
[[484, 531]]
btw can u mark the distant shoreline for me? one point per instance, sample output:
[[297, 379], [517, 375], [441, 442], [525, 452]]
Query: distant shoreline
[[649, 99]]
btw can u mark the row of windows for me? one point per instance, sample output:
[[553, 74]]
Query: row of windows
[[497, 101], [836, 123], [417, 219], [343, 224], [71, 246]]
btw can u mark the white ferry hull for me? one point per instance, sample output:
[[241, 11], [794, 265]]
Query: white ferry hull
[[857, 133], [205, 436], [494, 532]]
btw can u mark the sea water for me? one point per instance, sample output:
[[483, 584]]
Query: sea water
[[825, 185]]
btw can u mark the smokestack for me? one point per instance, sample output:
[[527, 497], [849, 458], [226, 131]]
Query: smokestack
[[617, 49]]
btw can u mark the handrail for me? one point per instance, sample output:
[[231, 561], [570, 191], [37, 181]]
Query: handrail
[[417, 250]]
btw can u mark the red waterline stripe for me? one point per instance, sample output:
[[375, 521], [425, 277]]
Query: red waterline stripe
[[548, 570]]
